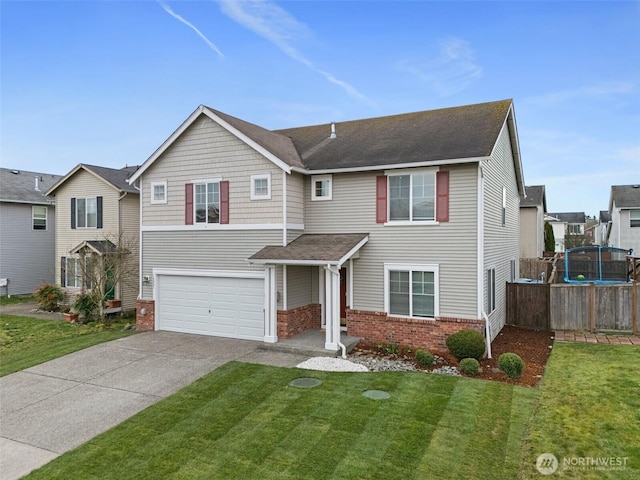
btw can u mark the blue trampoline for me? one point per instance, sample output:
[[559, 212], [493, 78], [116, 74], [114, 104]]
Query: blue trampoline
[[596, 264]]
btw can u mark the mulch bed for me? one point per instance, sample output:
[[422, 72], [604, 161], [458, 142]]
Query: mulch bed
[[534, 347]]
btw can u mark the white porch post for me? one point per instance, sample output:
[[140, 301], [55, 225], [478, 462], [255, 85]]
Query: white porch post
[[332, 308], [271, 310]]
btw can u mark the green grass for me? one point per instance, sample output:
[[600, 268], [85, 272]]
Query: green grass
[[15, 299], [589, 408], [26, 341], [243, 421]]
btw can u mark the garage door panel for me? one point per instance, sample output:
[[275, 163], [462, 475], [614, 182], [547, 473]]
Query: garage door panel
[[220, 306]]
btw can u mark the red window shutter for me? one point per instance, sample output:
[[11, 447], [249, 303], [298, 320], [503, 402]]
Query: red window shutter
[[442, 200], [224, 202], [188, 203], [381, 199]]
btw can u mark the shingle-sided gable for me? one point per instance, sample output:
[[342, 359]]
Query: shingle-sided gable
[[112, 177]]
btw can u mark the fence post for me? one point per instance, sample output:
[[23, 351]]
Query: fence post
[[592, 307], [634, 307]]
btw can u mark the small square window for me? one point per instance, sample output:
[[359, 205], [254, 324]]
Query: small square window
[[158, 192], [321, 187], [261, 187]]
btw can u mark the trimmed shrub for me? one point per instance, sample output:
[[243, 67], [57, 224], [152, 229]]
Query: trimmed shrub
[[466, 344], [424, 358], [511, 364], [48, 296], [470, 366]]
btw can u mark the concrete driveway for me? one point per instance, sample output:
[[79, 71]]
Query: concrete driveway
[[54, 407]]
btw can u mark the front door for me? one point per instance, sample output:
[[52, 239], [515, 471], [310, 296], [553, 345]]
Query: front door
[[343, 297]]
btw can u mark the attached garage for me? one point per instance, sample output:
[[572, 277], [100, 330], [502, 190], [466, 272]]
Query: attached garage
[[223, 304]]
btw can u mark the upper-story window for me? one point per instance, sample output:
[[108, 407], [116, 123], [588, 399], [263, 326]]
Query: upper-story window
[[39, 216], [207, 202], [261, 187], [321, 187], [412, 197], [634, 218], [574, 229], [86, 212], [158, 192]]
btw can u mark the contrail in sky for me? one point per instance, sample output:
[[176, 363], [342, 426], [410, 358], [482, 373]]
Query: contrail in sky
[[191, 26]]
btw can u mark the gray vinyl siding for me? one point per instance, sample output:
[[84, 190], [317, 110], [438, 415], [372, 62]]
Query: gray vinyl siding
[[300, 286], [206, 151], [27, 256], [529, 233], [501, 242], [295, 198], [622, 235], [130, 228], [204, 250], [451, 245]]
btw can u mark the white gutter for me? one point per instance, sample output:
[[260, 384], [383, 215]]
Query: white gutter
[[487, 333]]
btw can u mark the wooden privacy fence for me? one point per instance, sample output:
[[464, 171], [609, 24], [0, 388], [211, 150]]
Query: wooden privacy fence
[[586, 307]]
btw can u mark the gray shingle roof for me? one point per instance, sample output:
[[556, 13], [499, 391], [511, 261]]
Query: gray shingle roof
[[535, 197], [625, 196], [21, 186], [605, 216], [114, 176], [329, 248], [570, 217], [450, 133]]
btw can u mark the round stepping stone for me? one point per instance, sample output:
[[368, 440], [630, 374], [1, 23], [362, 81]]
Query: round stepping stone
[[305, 382], [376, 394]]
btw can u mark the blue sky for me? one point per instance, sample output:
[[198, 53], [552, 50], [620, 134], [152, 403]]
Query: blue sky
[[107, 82]]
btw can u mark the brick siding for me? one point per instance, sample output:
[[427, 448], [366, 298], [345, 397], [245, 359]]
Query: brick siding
[[146, 322], [297, 320], [378, 327]]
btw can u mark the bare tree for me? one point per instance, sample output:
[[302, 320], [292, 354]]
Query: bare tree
[[106, 266]]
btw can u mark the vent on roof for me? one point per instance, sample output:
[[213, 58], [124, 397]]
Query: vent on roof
[[37, 188], [333, 130], [15, 172]]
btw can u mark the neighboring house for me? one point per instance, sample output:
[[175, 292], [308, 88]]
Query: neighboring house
[[532, 209], [96, 208], [399, 229], [568, 229], [601, 229], [27, 231], [624, 207]]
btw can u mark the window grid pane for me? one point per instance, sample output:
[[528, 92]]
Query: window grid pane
[[423, 196], [399, 197], [39, 218], [423, 297], [634, 218], [261, 187], [92, 212], [322, 188], [399, 293], [158, 193]]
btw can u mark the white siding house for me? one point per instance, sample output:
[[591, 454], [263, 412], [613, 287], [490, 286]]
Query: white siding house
[[624, 207]]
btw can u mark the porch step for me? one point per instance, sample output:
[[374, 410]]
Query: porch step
[[309, 343]]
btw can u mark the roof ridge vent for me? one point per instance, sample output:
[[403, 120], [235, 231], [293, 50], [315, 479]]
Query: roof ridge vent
[[333, 130]]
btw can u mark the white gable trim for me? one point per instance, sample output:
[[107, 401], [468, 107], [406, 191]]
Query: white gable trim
[[510, 124], [202, 110]]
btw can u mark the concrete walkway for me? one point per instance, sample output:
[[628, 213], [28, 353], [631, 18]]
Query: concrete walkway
[[54, 407], [588, 337]]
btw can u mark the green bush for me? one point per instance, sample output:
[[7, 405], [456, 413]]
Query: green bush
[[511, 364], [424, 358], [86, 305], [470, 366], [48, 297], [466, 344]]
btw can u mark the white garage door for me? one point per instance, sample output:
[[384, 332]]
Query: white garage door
[[219, 306]]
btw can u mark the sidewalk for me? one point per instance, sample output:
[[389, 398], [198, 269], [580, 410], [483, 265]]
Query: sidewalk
[[588, 337]]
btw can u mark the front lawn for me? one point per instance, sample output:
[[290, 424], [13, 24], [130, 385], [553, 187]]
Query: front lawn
[[244, 421], [26, 341], [589, 413]]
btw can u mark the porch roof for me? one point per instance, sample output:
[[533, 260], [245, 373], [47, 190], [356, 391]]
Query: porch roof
[[97, 246], [322, 249]]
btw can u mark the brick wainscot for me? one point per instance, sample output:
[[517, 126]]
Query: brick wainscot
[[298, 320], [145, 321], [378, 327]]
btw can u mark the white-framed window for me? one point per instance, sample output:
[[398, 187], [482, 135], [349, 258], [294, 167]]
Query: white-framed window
[[87, 212], [412, 196], [321, 187], [574, 229], [39, 217], [634, 218], [491, 290], [411, 290], [207, 201], [261, 187], [73, 272], [158, 192]]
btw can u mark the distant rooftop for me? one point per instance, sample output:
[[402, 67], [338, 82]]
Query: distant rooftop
[[21, 186]]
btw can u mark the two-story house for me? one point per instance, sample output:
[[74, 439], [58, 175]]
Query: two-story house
[[96, 209], [624, 208], [397, 229], [532, 209], [568, 229], [27, 232]]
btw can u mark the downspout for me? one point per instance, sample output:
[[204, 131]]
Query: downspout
[[139, 243], [336, 271], [487, 333], [284, 208]]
